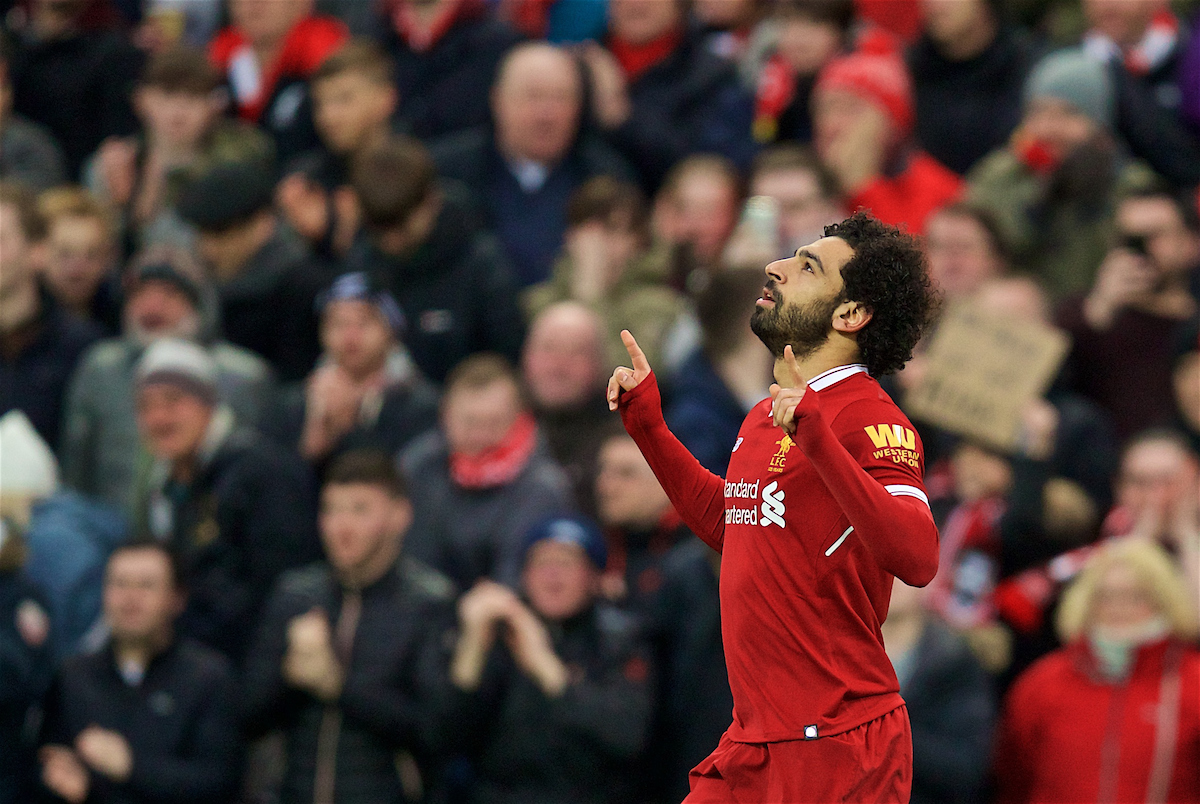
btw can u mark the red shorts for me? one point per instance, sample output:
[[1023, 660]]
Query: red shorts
[[872, 763]]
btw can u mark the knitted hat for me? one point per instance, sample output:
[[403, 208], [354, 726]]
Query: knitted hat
[[576, 530], [357, 286], [166, 264], [1071, 76], [184, 364], [27, 465], [880, 78]]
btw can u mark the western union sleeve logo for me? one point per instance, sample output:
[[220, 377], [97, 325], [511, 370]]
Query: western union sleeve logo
[[894, 441]]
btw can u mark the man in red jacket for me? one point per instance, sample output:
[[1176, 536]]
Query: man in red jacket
[[821, 507]]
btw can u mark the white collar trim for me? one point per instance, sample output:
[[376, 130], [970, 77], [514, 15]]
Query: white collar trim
[[835, 375]]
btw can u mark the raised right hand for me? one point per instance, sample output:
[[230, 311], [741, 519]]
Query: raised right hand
[[626, 379]]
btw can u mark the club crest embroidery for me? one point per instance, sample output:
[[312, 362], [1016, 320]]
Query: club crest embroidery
[[779, 458]]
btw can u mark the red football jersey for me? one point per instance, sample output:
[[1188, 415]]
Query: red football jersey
[[802, 592]]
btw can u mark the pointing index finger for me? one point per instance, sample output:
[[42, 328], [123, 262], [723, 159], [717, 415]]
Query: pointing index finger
[[640, 364], [789, 360]]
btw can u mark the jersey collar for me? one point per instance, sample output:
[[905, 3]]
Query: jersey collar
[[835, 375]]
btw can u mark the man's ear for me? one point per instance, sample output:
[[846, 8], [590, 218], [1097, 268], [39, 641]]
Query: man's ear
[[851, 316]]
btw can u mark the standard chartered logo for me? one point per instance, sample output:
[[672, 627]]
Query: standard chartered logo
[[772, 505]]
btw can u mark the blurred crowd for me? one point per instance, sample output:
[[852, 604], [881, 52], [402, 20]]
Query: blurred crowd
[[308, 488]]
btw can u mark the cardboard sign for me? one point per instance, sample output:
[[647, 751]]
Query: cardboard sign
[[982, 369]]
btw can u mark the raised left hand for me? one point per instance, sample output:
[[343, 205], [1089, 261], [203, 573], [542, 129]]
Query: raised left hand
[[785, 398]]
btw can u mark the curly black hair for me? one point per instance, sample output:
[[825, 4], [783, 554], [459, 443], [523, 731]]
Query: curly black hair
[[887, 275]]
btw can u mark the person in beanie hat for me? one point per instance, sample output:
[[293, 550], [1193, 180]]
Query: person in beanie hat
[[1053, 188], [862, 111], [366, 390], [165, 296], [238, 509], [553, 689]]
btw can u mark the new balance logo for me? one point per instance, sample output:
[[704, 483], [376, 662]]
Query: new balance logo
[[772, 505]]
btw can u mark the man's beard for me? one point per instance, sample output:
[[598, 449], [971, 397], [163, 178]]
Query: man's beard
[[804, 326]]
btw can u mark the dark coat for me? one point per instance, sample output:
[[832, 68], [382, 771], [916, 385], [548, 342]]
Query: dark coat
[[456, 290], [394, 673], [34, 380], [581, 747], [966, 109], [690, 102], [952, 708], [446, 88], [530, 225], [269, 307], [179, 721], [247, 516], [26, 665], [704, 414]]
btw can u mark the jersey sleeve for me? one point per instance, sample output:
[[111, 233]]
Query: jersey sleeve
[[886, 505], [884, 443]]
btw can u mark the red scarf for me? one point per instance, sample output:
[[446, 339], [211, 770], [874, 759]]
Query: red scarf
[[499, 465], [637, 59], [776, 88], [422, 38]]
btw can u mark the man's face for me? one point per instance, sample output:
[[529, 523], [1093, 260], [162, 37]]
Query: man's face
[[960, 254], [949, 20], [559, 579], [79, 255], [804, 211], [140, 596], [800, 297], [561, 362], [705, 211], [156, 309], [475, 419], [1156, 221], [838, 114], [536, 105], [628, 494], [1058, 125], [359, 522], [179, 119], [348, 108], [1156, 477], [267, 20], [15, 250], [807, 44], [356, 336], [641, 21], [1123, 21], [172, 421]]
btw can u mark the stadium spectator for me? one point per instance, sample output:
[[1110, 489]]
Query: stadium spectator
[[447, 54], [563, 370], [74, 80], [179, 103], [422, 243], [1122, 327], [607, 264], [1144, 49], [26, 650], [149, 717], [482, 479], [950, 700], [81, 255], [807, 35], [236, 508], [729, 28], [863, 133], [556, 690], [266, 284], [1119, 699], [165, 296], [725, 376], [354, 98], [40, 342], [348, 651], [537, 151], [28, 151], [266, 54], [695, 212], [660, 95], [964, 250], [66, 536], [968, 69], [365, 391], [1053, 188]]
